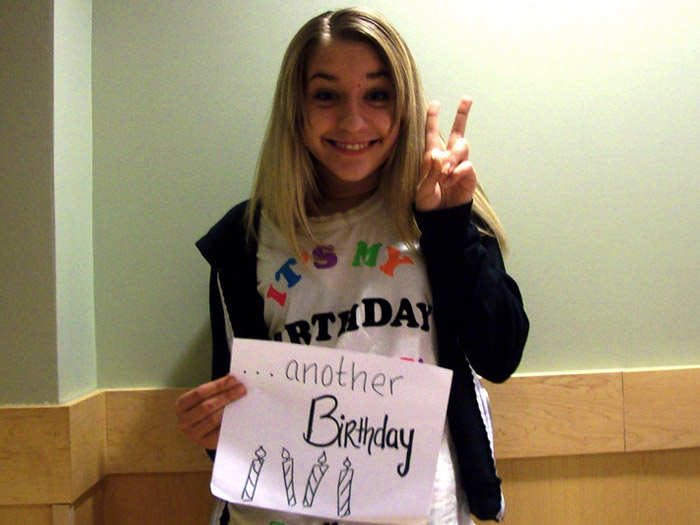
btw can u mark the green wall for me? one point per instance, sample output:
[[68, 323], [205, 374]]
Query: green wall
[[584, 133], [27, 269], [47, 326], [75, 304]]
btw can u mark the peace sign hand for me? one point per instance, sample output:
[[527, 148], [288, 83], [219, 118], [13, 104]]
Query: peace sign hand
[[447, 178]]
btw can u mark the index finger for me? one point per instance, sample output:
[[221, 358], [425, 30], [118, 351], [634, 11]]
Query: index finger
[[432, 131], [194, 397], [460, 123]]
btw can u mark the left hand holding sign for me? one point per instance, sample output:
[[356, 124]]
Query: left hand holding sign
[[200, 411], [447, 177]]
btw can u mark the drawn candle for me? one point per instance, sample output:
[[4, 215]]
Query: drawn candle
[[345, 489], [288, 473], [315, 477], [253, 474]]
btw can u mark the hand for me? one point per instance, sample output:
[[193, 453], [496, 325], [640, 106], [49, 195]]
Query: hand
[[199, 411], [447, 178]]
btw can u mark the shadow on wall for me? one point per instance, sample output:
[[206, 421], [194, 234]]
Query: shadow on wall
[[194, 366]]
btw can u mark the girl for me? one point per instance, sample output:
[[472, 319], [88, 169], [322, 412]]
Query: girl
[[358, 204]]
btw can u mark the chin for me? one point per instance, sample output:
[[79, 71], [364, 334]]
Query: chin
[[354, 176]]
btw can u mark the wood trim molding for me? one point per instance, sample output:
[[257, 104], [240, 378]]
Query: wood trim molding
[[558, 415], [35, 463], [54, 454], [662, 409], [142, 435], [51, 454], [88, 430]]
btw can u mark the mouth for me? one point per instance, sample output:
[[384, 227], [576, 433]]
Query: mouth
[[352, 147]]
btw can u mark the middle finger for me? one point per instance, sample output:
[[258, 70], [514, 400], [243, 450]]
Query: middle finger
[[460, 123]]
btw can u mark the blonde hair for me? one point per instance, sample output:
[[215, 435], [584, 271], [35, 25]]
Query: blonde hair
[[285, 184]]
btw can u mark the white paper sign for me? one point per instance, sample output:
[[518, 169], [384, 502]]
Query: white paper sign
[[331, 433]]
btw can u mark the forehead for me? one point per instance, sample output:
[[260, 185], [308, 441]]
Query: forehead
[[342, 58]]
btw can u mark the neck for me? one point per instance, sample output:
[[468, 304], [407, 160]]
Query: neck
[[339, 196], [341, 204]]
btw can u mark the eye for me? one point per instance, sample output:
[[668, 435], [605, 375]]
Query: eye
[[324, 96], [379, 96]]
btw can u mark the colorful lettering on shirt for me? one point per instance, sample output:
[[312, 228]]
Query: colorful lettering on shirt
[[420, 359], [276, 295], [288, 274], [395, 259], [366, 254], [324, 257]]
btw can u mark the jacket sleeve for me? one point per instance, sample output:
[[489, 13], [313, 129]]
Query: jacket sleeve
[[221, 356], [477, 304], [232, 286]]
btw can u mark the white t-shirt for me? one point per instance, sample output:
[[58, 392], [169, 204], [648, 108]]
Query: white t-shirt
[[359, 289]]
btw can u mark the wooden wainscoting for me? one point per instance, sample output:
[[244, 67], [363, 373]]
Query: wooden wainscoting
[[650, 488], [603, 447], [142, 436], [559, 414], [662, 409]]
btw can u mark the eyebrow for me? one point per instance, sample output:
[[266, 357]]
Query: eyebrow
[[331, 78]]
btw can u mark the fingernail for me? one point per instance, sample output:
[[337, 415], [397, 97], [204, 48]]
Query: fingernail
[[240, 389]]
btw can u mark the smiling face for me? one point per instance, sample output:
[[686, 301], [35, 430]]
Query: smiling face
[[349, 125]]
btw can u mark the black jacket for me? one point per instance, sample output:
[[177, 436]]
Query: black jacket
[[479, 317]]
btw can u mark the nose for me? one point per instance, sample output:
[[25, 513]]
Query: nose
[[351, 116]]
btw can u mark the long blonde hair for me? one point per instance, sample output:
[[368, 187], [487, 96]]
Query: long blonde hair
[[286, 185]]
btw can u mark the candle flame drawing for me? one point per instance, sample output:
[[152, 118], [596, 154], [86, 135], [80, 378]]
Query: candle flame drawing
[[315, 477], [288, 475], [345, 488], [253, 475]]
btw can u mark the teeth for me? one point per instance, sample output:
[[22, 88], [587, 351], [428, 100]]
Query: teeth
[[352, 146]]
